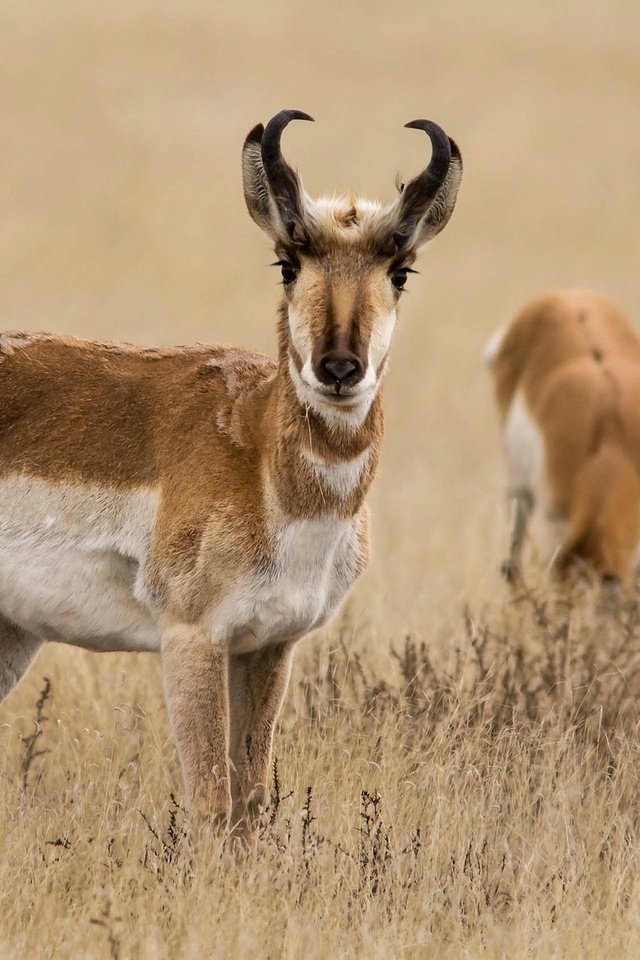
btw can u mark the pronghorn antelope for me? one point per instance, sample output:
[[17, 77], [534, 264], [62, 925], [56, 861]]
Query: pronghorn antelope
[[207, 502], [567, 379]]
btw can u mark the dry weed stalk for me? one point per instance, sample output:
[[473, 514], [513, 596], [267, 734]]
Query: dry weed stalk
[[31, 754]]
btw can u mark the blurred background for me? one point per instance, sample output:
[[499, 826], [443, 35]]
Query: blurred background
[[122, 213]]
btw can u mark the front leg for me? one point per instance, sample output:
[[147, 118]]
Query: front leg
[[195, 679], [257, 685]]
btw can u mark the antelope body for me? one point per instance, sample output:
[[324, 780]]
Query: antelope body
[[207, 502], [567, 379]]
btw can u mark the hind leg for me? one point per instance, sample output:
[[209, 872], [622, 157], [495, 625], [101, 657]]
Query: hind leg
[[521, 502], [17, 650]]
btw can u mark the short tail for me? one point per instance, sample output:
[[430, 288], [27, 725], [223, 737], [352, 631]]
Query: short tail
[[605, 514]]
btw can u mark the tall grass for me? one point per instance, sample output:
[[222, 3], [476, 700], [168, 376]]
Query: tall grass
[[484, 803]]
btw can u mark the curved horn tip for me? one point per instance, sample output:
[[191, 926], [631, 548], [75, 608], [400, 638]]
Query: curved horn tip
[[426, 125], [285, 116]]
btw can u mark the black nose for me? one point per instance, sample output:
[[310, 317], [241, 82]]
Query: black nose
[[340, 367]]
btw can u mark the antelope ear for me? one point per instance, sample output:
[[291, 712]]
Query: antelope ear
[[443, 204], [426, 202], [272, 189], [256, 187]]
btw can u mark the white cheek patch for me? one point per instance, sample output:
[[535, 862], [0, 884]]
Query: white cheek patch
[[381, 338], [300, 336], [304, 390], [309, 376], [378, 349]]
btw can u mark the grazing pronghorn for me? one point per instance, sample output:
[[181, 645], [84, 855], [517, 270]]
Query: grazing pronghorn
[[567, 378], [207, 502]]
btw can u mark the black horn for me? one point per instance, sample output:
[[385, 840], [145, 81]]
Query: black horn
[[418, 195], [283, 181]]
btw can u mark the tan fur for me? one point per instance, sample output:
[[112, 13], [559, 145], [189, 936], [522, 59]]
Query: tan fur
[[205, 501], [257, 685], [196, 689], [573, 359]]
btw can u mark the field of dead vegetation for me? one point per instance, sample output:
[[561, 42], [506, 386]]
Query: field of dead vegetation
[[457, 768]]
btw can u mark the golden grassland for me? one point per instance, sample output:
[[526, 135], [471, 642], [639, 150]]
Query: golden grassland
[[483, 803], [457, 769]]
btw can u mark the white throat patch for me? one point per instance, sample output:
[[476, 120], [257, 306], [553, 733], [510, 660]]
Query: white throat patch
[[340, 478]]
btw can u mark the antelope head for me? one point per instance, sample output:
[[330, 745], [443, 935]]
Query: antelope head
[[344, 264]]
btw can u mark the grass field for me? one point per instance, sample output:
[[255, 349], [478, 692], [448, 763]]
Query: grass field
[[457, 772]]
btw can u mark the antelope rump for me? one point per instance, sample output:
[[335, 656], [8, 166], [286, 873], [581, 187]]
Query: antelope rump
[[567, 380]]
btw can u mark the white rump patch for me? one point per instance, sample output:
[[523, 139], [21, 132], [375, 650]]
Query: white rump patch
[[524, 447], [494, 345]]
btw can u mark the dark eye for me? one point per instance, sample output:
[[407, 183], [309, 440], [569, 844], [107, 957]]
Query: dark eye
[[399, 278], [289, 272]]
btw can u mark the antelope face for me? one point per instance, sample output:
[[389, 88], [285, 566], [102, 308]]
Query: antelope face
[[340, 309], [344, 264]]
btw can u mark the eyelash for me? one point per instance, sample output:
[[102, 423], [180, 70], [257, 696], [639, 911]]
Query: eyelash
[[399, 277], [289, 271]]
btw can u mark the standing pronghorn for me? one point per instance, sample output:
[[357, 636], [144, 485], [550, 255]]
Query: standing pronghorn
[[567, 377], [208, 502]]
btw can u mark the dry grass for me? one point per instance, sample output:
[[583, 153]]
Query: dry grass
[[475, 793], [478, 804]]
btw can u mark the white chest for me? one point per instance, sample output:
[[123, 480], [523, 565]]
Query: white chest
[[315, 564]]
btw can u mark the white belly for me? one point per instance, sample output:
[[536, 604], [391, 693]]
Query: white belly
[[70, 560]]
